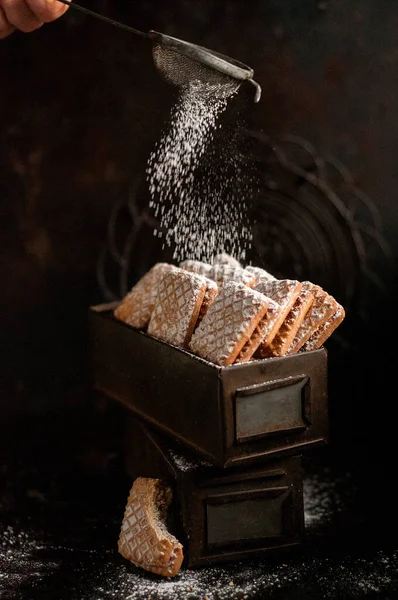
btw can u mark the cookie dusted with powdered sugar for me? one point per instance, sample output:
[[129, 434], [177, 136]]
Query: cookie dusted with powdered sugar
[[137, 306], [259, 333], [208, 299], [229, 323], [321, 310], [196, 266], [261, 275], [222, 274], [289, 327], [144, 539], [225, 259], [284, 293], [319, 337], [179, 298]]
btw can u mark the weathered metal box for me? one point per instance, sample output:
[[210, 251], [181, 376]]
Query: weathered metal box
[[218, 514], [229, 415]]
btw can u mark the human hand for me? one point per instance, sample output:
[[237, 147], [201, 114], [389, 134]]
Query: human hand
[[27, 15]]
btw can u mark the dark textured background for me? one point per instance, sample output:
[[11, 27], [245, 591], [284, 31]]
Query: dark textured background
[[81, 106]]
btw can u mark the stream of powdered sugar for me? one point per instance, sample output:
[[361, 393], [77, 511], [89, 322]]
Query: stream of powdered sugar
[[196, 189]]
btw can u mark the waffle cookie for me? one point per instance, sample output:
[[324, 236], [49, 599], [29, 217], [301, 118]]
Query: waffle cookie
[[137, 306], [144, 538], [258, 334], [180, 296], [208, 299], [196, 266], [284, 293], [229, 323], [261, 275], [319, 337], [289, 327], [226, 259], [223, 273], [323, 307]]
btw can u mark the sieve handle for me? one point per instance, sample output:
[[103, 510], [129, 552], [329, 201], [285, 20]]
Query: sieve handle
[[87, 11], [257, 93]]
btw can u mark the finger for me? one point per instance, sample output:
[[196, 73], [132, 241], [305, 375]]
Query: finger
[[5, 27], [47, 10], [20, 16]]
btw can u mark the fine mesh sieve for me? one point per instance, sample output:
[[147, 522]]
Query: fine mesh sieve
[[181, 63], [180, 71]]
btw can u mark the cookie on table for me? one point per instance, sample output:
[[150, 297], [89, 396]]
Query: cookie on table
[[229, 323], [144, 539]]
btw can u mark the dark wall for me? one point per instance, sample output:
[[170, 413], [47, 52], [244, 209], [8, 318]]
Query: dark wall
[[81, 106]]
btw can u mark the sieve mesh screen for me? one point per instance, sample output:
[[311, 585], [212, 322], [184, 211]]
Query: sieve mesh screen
[[181, 70]]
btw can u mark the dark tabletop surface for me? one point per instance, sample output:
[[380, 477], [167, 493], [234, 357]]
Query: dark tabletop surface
[[60, 514]]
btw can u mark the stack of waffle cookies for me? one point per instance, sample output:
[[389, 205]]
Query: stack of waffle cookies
[[226, 313], [242, 320]]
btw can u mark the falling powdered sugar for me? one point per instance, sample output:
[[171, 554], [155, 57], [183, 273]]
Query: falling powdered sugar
[[196, 187]]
